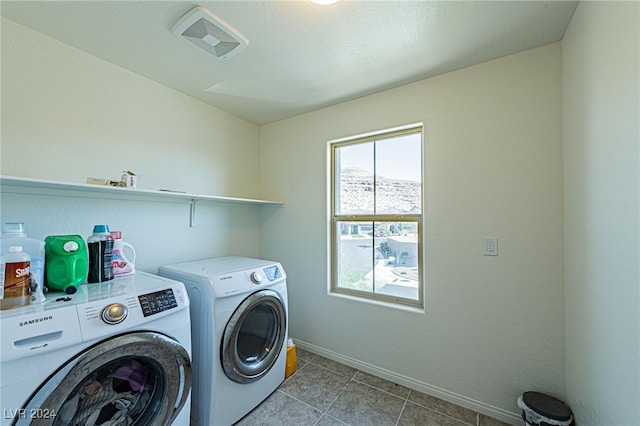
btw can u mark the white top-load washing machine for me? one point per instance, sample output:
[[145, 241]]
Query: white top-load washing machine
[[239, 323], [113, 351]]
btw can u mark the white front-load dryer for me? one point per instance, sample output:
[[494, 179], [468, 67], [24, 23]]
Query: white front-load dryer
[[239, 324], [117, 352]]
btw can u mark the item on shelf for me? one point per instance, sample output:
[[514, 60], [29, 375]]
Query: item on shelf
[[122, 265], [106, 182], [100, 246], [66, 262], [15, 234], [44, 187], [10, 184], [15, 278], [130, 179]]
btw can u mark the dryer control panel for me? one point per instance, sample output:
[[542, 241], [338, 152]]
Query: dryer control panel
[[228, 276], [248, 280], [273, 273]]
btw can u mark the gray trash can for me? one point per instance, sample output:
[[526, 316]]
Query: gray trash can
[[539, 409]]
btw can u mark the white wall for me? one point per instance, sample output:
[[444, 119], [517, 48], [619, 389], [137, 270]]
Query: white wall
[[601, 96], [493, 326], [67, 115]]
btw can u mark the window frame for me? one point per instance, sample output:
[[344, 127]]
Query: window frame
[[335, 219]]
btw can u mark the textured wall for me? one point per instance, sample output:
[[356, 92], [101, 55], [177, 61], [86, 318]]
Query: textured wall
[[77, 116], [493, 326], [601, 98], [67, 115]]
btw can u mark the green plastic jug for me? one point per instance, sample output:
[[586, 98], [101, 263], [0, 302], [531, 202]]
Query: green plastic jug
[[66, 262]]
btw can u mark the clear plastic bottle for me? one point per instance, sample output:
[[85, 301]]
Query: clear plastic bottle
[[100, 245], [16, 278], [15, 234]]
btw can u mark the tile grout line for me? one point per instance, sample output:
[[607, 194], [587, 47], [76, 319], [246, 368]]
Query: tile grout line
[[380, 389], [402, 411], [441, 413], [325, 412], [353, 379], [336, 398], [322, 413], [406, 399], [333, 371], [302, 402]]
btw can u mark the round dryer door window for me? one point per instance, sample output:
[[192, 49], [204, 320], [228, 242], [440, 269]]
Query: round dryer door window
[[141, 378], [254, 337]]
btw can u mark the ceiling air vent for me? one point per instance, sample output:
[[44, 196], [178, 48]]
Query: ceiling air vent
[[206, 31]]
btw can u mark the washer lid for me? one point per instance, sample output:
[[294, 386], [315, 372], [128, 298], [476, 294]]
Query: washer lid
[[547, 406]]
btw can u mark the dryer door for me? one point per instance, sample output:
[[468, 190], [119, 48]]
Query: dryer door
[[141, 378], [253, 337]]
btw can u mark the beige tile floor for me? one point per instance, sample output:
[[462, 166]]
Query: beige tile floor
[[323, 392]]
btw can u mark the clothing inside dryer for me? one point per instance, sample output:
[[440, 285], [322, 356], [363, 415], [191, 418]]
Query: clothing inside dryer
[[118, 393]]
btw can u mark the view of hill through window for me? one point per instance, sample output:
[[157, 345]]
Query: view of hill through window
[[392, 195]]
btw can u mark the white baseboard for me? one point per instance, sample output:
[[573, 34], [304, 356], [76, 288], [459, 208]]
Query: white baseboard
[[411, 383]]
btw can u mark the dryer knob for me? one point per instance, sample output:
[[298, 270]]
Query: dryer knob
[[114, 313], [256, 277]]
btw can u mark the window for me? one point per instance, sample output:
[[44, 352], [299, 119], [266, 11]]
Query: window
[[376, 216]]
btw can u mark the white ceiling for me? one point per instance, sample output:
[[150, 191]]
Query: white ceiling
[[300, 56]]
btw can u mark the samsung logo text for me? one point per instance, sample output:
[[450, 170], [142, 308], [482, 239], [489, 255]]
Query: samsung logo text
[[35, 321]]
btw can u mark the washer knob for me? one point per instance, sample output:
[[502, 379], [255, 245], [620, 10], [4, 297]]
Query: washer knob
[[256, 277], [114, 313]]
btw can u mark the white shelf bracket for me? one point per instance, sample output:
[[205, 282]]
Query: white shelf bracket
[[192, 214]]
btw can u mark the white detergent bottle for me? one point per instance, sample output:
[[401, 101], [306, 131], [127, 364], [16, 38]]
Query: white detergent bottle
[[15, 234], [16, 279], [122, 265]]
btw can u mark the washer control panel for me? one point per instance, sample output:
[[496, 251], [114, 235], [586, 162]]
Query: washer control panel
[[148, 298], [114, 313], [159, 301]]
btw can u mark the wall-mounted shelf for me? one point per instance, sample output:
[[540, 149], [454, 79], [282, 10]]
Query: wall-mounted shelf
[[24, 185]]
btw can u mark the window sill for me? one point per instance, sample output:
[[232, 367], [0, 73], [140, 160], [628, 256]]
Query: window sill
[[381, 303]]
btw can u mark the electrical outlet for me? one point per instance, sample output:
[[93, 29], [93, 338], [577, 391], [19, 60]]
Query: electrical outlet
[[490, 246]]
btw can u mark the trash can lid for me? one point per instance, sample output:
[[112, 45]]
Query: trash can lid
[[547, 406]]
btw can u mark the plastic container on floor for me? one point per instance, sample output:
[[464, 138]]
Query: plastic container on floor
[[539, 409], [291, 359]]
